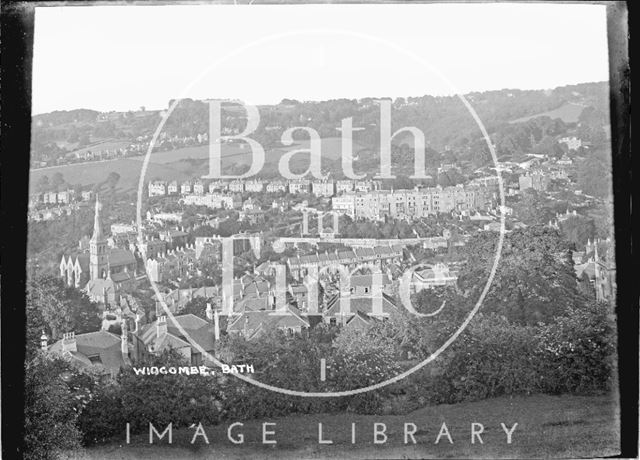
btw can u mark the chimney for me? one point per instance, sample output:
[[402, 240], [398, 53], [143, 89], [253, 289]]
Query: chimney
[[44, 341], [161, 326], [69, 342], [209, 311]]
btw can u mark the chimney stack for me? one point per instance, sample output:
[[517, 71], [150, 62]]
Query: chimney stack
[[161, 326], [209, 311], [69, 342]]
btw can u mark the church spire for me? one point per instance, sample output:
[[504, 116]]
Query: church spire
[[97, 224]]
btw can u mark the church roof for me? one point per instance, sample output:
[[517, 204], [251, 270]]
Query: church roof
[[119, 257]]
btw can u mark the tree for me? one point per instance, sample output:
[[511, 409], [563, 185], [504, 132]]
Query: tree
[[578, 230], [43, 184], [57, 181], [60, 308], [112, 180], [594, 174], [534, 281], [197, 306]]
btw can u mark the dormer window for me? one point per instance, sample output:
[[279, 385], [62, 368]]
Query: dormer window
[[95, 359]]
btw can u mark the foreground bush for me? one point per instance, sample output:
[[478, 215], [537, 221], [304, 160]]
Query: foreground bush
[[50, 410], [494, 357]]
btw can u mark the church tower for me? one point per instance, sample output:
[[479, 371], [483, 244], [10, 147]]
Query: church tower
[[98, 257]]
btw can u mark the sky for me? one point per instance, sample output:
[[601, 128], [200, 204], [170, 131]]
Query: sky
[[125, 57]]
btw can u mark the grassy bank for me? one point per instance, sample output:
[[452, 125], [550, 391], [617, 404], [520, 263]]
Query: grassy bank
[[548, 426]]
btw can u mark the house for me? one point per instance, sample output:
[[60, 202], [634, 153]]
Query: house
[[252, 217], [198, 187], [344, 186], [236, 186], [276, 187], [343, 306], [360, 285], [253, 323], [299, 186], [102, 351], [172, 189], [217, 186], [250, 205], [174, 238], [572, 143], [565, 160], [176, 299], [157, 188], [536, 181], [164, 334], [361, 321], [324, 188], [185, 188], [434, 276], [254, 186]]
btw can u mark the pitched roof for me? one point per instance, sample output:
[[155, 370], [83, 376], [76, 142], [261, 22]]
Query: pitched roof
[[101, 343], [119, 257], [362, 304], [254, 320], [197, 329], [100, 286]]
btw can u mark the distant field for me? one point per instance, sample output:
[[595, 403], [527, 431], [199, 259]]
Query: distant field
[[568, 113], [331, 148], [181, 164], [96, 172], [101, 146], [548, 427]]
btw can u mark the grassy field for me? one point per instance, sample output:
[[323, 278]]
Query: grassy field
[[548, 426], [568, 113], [181, 164]]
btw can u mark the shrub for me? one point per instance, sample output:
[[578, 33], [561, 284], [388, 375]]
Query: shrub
[[576, 353], [50, 416]]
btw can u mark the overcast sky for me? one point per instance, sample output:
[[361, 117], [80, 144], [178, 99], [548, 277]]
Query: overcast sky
[[123, 57]]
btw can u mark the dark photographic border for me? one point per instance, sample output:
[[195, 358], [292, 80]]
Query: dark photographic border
[[16, 62]]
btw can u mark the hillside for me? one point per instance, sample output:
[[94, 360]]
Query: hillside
[[519, 122]]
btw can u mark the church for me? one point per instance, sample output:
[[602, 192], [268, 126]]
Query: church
[[102, 271]]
